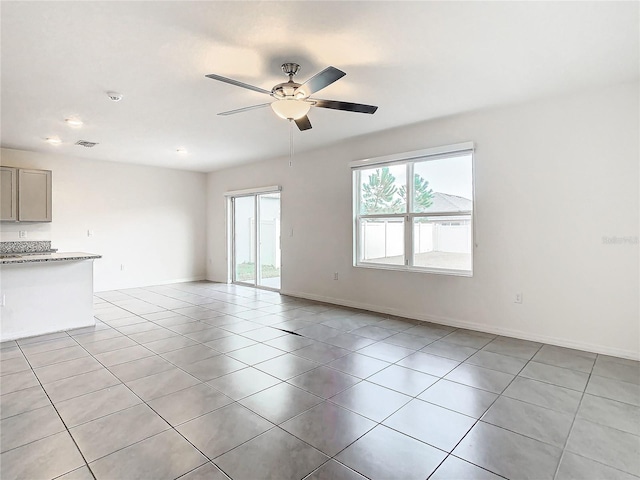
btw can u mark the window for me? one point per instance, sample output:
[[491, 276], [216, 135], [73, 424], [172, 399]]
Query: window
[[414, 211]]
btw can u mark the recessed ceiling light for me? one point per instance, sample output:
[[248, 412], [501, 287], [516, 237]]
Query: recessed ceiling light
[[73, 122], [114, 96], [54, 140], [181, 151]]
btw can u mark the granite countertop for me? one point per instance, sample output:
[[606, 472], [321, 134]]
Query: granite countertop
[[47, 257]]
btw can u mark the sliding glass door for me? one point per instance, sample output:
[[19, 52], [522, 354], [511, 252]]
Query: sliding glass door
[[244, 240], [269, 240], [256, 239]]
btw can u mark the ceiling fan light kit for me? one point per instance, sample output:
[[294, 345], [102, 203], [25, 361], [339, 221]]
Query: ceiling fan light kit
[[291, 109], [293, 100]]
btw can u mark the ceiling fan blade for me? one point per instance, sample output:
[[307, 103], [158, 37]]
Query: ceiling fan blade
[[245, 109], [237, 83], [320, 80], [347, 106], [303, 123]]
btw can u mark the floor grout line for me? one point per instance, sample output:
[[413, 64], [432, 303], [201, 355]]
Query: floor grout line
[[171, 427], [573, 422], [252, 299], [480, 418], [62, 420]]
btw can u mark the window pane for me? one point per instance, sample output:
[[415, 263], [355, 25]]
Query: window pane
[[382, 240], [245, 239], [269, 272], [383, 190], [442, 242], [443, 185]]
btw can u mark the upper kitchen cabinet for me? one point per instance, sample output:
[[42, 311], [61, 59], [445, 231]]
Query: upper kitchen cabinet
[[34, 195], [25, 195], [8, 193]]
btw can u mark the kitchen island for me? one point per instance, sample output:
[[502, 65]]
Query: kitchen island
[[45, 293]]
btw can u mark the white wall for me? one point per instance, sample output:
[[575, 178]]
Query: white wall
[[565, 166], [151, 220]]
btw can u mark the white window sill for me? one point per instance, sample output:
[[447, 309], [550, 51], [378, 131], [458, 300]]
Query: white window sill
[[404, 268]]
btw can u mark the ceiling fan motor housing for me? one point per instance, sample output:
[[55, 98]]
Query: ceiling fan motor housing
[[284, 90]]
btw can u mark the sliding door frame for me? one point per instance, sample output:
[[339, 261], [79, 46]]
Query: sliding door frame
[[231, 236]]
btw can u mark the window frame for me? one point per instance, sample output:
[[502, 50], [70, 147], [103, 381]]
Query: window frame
[[409, 159]]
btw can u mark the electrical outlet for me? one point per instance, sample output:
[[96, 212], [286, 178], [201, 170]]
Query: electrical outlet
[[122, 267], [22, 234], [335, 275], [89, 233], [518, 298], [291, 233]]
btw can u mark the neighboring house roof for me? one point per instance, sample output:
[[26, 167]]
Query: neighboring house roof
[[444, 203]]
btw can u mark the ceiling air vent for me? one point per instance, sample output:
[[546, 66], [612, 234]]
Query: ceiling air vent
[[84, 143]]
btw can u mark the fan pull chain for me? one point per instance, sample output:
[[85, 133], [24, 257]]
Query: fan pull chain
[[290, 143]]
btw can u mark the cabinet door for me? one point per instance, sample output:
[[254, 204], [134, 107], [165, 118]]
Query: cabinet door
[[34, 195], [8, 194]]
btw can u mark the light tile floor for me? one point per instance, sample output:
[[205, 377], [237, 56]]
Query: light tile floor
[[202, 380]]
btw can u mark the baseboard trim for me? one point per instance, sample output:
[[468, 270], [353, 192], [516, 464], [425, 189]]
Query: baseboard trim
[[199, 278], [28, 334], [155, 283], [453, 322]]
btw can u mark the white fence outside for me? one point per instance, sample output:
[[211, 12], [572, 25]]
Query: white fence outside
[[386, 238], [269, 241], [245, 233]]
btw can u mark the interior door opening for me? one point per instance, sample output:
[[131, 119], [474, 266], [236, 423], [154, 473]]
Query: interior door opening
[[256, 240]]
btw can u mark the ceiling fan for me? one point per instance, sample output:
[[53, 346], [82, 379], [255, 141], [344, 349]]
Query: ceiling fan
[[293, 100]]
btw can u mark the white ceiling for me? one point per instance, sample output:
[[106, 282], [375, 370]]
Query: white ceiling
[[416, 60]]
